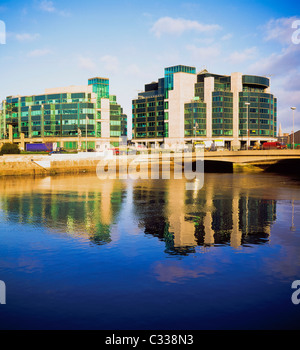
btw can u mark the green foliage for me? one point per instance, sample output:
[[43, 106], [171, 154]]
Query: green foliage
[[10, 148]]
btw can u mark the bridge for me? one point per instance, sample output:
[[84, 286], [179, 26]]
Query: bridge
[[253, 156], [259, 160], [284, 161]]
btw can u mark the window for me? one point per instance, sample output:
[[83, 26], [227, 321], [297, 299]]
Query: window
[[115, 133], [115, 122]]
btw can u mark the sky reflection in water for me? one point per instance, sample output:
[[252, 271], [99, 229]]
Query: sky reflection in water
[[80, 253]]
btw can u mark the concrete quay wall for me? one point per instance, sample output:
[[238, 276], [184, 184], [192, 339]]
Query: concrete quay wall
[[248, 161], [12, 165]]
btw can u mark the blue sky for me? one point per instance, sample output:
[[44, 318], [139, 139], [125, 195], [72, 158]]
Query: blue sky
[[60, 43]]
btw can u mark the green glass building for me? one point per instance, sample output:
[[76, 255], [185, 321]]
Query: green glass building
[[236, 110], [74, 117], [148, 112]]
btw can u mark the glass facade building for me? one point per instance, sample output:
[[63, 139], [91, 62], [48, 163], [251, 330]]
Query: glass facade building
[[262, 114], [233, 108], [68, 116], [148, 112], [195, 119]]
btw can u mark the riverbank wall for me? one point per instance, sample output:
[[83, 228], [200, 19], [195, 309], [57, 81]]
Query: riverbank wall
[[45, 165], [236, 162]]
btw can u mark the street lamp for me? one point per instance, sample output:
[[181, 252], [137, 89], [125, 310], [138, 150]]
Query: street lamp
[[195, 131], [42, 122], [30, 124], [293, 109], [87, 118], [247, 104]]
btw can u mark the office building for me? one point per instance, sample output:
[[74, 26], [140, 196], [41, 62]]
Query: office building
[[73, 117], [293, 140], [183, 107]]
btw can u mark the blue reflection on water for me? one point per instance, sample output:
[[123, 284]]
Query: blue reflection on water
[[77, 253]]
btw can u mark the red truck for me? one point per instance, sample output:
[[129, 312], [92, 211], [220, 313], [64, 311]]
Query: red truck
[[273, 145]]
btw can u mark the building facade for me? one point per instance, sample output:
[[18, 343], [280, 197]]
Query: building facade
[[73, 117], [124, 129], [293, 140], [185, 107]]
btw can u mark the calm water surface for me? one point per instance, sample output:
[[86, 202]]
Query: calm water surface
[[80, 253]]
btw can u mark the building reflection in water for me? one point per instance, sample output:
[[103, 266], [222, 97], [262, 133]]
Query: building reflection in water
[[80, 206], [221, 213]]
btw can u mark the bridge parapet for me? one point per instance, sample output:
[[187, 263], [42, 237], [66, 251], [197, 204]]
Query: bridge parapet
[[252, 156]]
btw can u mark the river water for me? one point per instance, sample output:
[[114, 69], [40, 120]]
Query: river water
[[80, 253]]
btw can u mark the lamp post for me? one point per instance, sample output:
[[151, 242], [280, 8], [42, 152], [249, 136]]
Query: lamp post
[[195, 131], [86, 139], [42, 122], [164, 132], [3, 116], [293, 109], [247, 104], [30, 125]]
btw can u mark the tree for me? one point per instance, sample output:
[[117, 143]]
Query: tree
[[10, 148]]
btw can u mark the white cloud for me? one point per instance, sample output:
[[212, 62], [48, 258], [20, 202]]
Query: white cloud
[[284, 68], [111, 63], [279, 30], [293, 82], [108, 62], [27, 37], [205, 41], [64, 13], [39, 53], [177, 26], [242, 56], [203, 54], [227, 37], [286, 99], [278, 63], [48, 6], [86, 63], [3, 34], [285, 62]]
